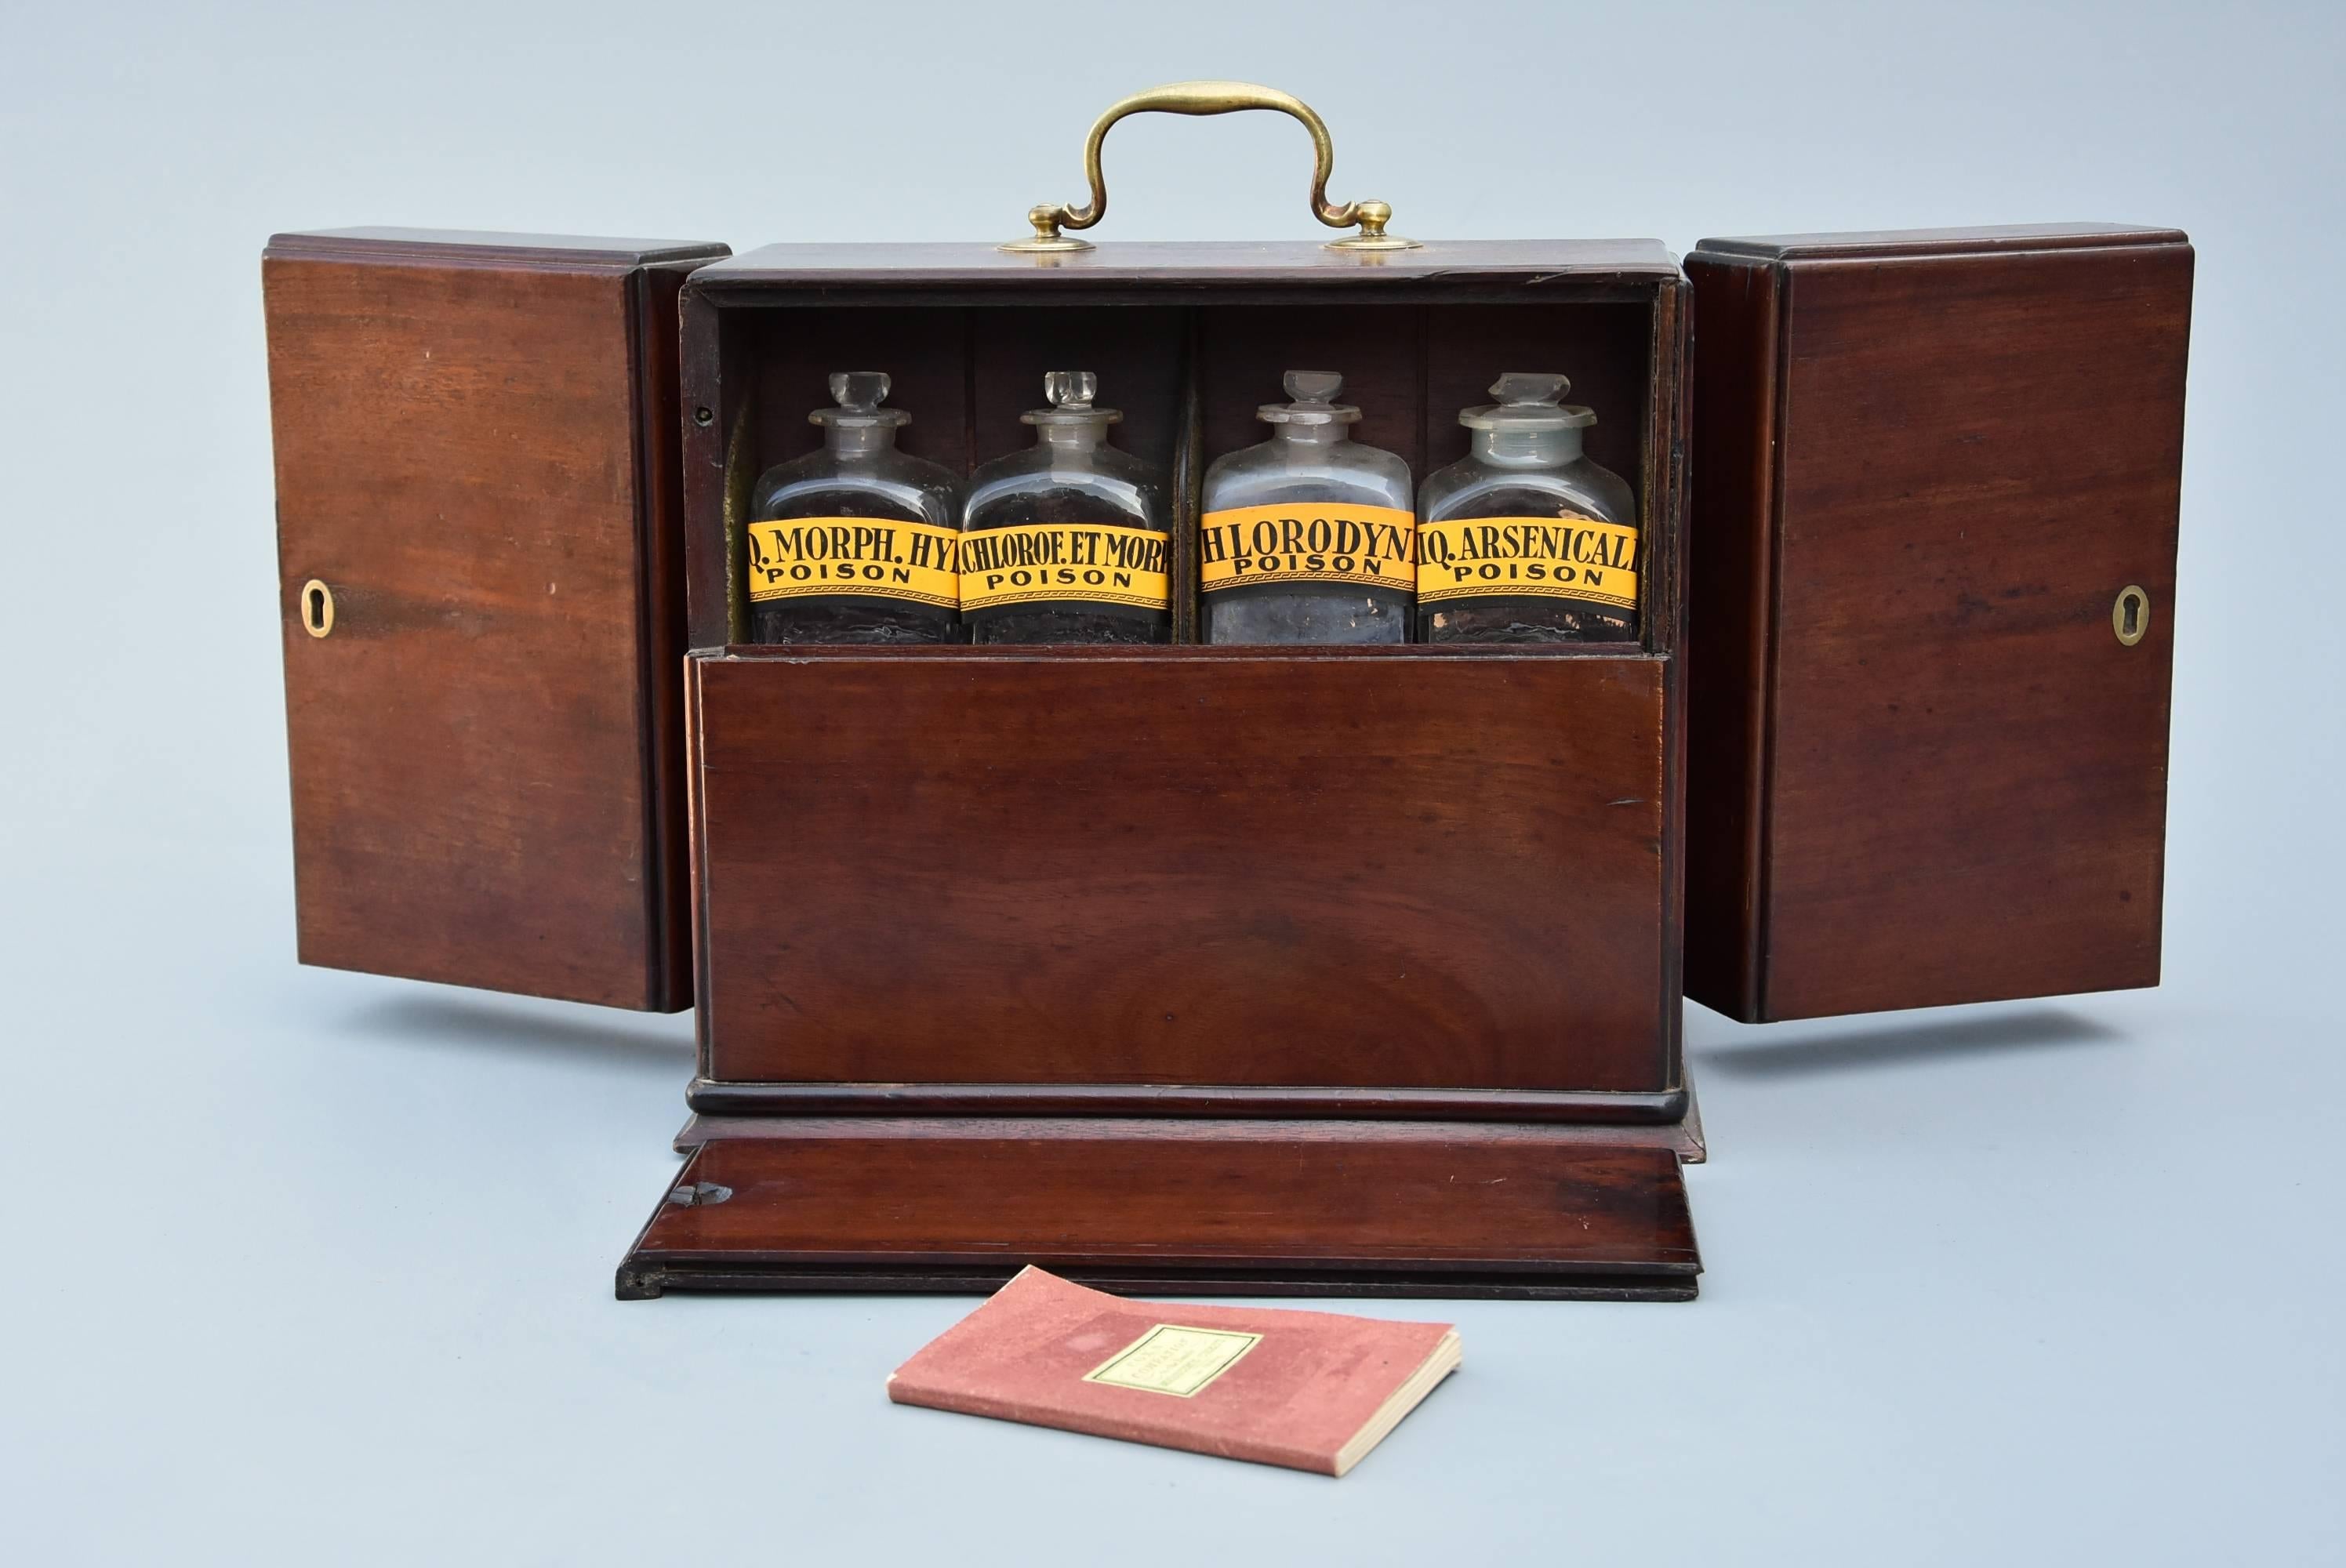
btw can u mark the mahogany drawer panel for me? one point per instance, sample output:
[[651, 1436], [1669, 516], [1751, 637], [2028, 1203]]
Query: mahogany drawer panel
[[1184, 867]]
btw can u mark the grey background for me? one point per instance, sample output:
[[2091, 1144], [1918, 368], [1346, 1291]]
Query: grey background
[[307, 1266]]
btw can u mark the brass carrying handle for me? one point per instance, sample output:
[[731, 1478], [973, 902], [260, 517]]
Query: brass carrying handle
[[1213, 99]]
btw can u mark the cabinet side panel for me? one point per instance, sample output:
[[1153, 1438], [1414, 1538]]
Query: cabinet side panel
[[1404, 872], [661, 428], [1968, 778], [1731, 597], [1665, 443], [459, 461]]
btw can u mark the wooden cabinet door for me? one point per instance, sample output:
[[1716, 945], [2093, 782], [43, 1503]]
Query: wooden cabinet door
[[1933, 535], [476, 447]]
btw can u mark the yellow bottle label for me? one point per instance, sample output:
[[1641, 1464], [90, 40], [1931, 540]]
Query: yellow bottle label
[[1063, 563], [1320, 542], [1541, 557], [871, 557]]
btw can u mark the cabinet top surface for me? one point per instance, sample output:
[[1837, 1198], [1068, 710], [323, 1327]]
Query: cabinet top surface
[[1861, 243], [1177, 263], [488, 243]]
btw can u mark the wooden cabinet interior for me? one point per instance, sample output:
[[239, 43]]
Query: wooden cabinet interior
[[1415, 345]]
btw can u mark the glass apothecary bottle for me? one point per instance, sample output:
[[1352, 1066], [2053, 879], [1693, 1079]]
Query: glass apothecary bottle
[[1525, 540], [1066, 542], [856, 543], [1307, 537]]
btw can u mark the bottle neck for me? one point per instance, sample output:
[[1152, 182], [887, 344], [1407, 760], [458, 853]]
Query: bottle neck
[[859, 440], [1314, 437], [1527, 448], [1073, 437]]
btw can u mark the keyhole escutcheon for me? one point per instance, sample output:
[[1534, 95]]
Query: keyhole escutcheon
[[2130, 616], [317, 608]]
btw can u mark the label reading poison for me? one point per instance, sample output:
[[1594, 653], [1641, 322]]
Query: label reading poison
[[1063, 563], [1318, 542], [872, 557], [1515, 557]]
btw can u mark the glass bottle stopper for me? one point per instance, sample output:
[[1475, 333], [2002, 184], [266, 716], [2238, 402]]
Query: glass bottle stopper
[[1314, 393], [859, 394], [1518, 388], [1070, 394], [1527, 400]]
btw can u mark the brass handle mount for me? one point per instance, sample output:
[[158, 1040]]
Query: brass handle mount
[[1052, 221]]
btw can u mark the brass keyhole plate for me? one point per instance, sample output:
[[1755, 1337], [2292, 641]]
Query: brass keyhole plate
[[2130, 616], [317, 608]]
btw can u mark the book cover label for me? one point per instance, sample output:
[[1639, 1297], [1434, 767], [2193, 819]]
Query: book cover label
[[1172, 1360]]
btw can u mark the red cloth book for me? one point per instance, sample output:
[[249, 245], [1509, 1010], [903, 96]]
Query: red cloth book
[[1311, 1390]]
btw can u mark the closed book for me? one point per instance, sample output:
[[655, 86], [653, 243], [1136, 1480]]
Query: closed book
[[1311, 1390]]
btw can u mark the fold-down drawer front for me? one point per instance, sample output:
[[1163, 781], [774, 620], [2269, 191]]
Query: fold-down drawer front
[[1357, 870], [873, 1205]]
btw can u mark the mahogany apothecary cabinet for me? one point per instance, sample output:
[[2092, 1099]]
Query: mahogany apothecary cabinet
[[1190, 968]]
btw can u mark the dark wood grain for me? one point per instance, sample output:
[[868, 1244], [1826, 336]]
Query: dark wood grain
[[1430, 1215], [1937, 775], [1683, 1138], [667, 872], [1730, 594], [1984, 240], [1189, 263], [1400, 871], [1594, 1107], [1662, 500], [720, 409], [490, 247], [471, 453], [1190, 457]]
